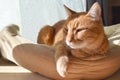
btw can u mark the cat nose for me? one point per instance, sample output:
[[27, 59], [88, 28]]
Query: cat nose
[[70, 40]]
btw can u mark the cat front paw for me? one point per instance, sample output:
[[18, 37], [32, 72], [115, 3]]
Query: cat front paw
[[62, 65]]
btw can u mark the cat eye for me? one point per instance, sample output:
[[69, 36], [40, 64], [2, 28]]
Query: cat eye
[[65, 29], [78, 30]]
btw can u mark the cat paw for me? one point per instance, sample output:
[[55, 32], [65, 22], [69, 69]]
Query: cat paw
[[62, 65]]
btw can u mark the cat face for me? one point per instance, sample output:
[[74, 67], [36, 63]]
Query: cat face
[[83, 29]]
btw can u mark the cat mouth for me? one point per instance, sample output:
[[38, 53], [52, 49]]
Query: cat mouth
[[76, 45], [71, 45]]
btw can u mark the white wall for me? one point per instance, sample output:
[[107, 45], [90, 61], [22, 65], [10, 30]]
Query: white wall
[[9, 13]]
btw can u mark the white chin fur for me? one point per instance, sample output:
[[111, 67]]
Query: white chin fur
[[73, 46]]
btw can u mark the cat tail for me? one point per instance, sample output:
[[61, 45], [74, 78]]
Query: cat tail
[[46, 35], [12, 29]]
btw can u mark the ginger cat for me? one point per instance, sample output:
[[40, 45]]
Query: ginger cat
[[81, 35]]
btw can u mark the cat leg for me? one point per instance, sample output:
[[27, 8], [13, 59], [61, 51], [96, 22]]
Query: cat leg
[[61, 65], [61, 58], [46, 35]]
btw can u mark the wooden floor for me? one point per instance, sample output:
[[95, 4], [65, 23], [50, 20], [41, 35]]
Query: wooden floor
[[10, 71]]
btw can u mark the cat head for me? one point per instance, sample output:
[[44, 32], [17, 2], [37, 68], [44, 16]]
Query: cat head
[[83, 29]]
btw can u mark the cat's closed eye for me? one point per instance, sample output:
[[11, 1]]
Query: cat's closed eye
[[78, 30], [65, 30]]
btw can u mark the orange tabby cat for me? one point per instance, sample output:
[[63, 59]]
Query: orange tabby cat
[[81, 35]]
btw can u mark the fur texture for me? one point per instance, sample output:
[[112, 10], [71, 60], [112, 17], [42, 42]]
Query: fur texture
[[81, 35]]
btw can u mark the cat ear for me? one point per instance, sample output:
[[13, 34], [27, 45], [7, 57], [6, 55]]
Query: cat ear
[[95, 11], [69, 11]]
